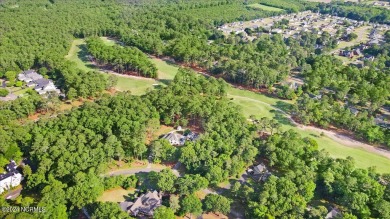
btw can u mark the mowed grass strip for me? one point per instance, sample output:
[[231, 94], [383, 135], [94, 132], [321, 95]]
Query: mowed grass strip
[[259, 105], [115, 195], [265, 7], [78, 54]]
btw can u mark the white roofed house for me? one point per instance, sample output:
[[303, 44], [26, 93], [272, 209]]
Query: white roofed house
[[10, 179], [29, 76], [40, 84], [44, 85]]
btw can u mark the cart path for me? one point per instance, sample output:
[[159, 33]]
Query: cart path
[[340, 138]]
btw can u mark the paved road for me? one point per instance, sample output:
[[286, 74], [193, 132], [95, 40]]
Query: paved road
[[147, 169], [13, 194]]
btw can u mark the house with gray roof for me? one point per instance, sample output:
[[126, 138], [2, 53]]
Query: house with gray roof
[[175, 138], [40, 84], [29, 76], [144, 205], [333, 213], [260, 169]]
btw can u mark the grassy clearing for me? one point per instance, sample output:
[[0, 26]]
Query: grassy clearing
[[363, 34], [166, 70], [265, 7], [115, 195], [108, 41], [78, 54], [18, 90], [321, 1], [137, 86], [253, 104]]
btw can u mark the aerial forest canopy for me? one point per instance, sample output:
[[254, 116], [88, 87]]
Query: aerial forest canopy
[[71, 150], [128, 59]]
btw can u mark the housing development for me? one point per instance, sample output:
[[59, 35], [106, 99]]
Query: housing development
[[213, 109]]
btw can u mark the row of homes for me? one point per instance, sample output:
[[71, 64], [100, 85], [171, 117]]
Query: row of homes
[[38, 82], [307, 22]]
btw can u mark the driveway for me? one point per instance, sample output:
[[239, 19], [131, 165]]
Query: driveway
[[13, 193]]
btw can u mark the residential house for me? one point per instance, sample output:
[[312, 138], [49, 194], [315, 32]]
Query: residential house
[[144, 205], [260, 172], [175, 138], [346, 53], [333, 213], [40, 84], [260, 169], [29, 76], [192, 136], [10, 179], [357, 52]]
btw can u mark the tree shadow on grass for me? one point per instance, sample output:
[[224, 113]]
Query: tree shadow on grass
[[286, 107], [83, 53], [147, 180], [282, 118], [83, 56], [314, 135], [165, 81]]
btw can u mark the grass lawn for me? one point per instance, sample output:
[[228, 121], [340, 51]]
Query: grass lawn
[[322, 1], [363, 34], [108, 41], [115, 195], [137, 86], [78, 53], [166, 70], [251, 104], [19, 90], [265, 7]]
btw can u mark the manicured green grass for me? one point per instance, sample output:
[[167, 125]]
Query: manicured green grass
[[166, 70], [259, 105], [136, 86], [265, 7], [363, 36], [108, 41], [22, 91]]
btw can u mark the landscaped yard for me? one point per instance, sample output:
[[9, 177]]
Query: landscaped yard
[[265, 7], [115, 195], [363, 34]]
